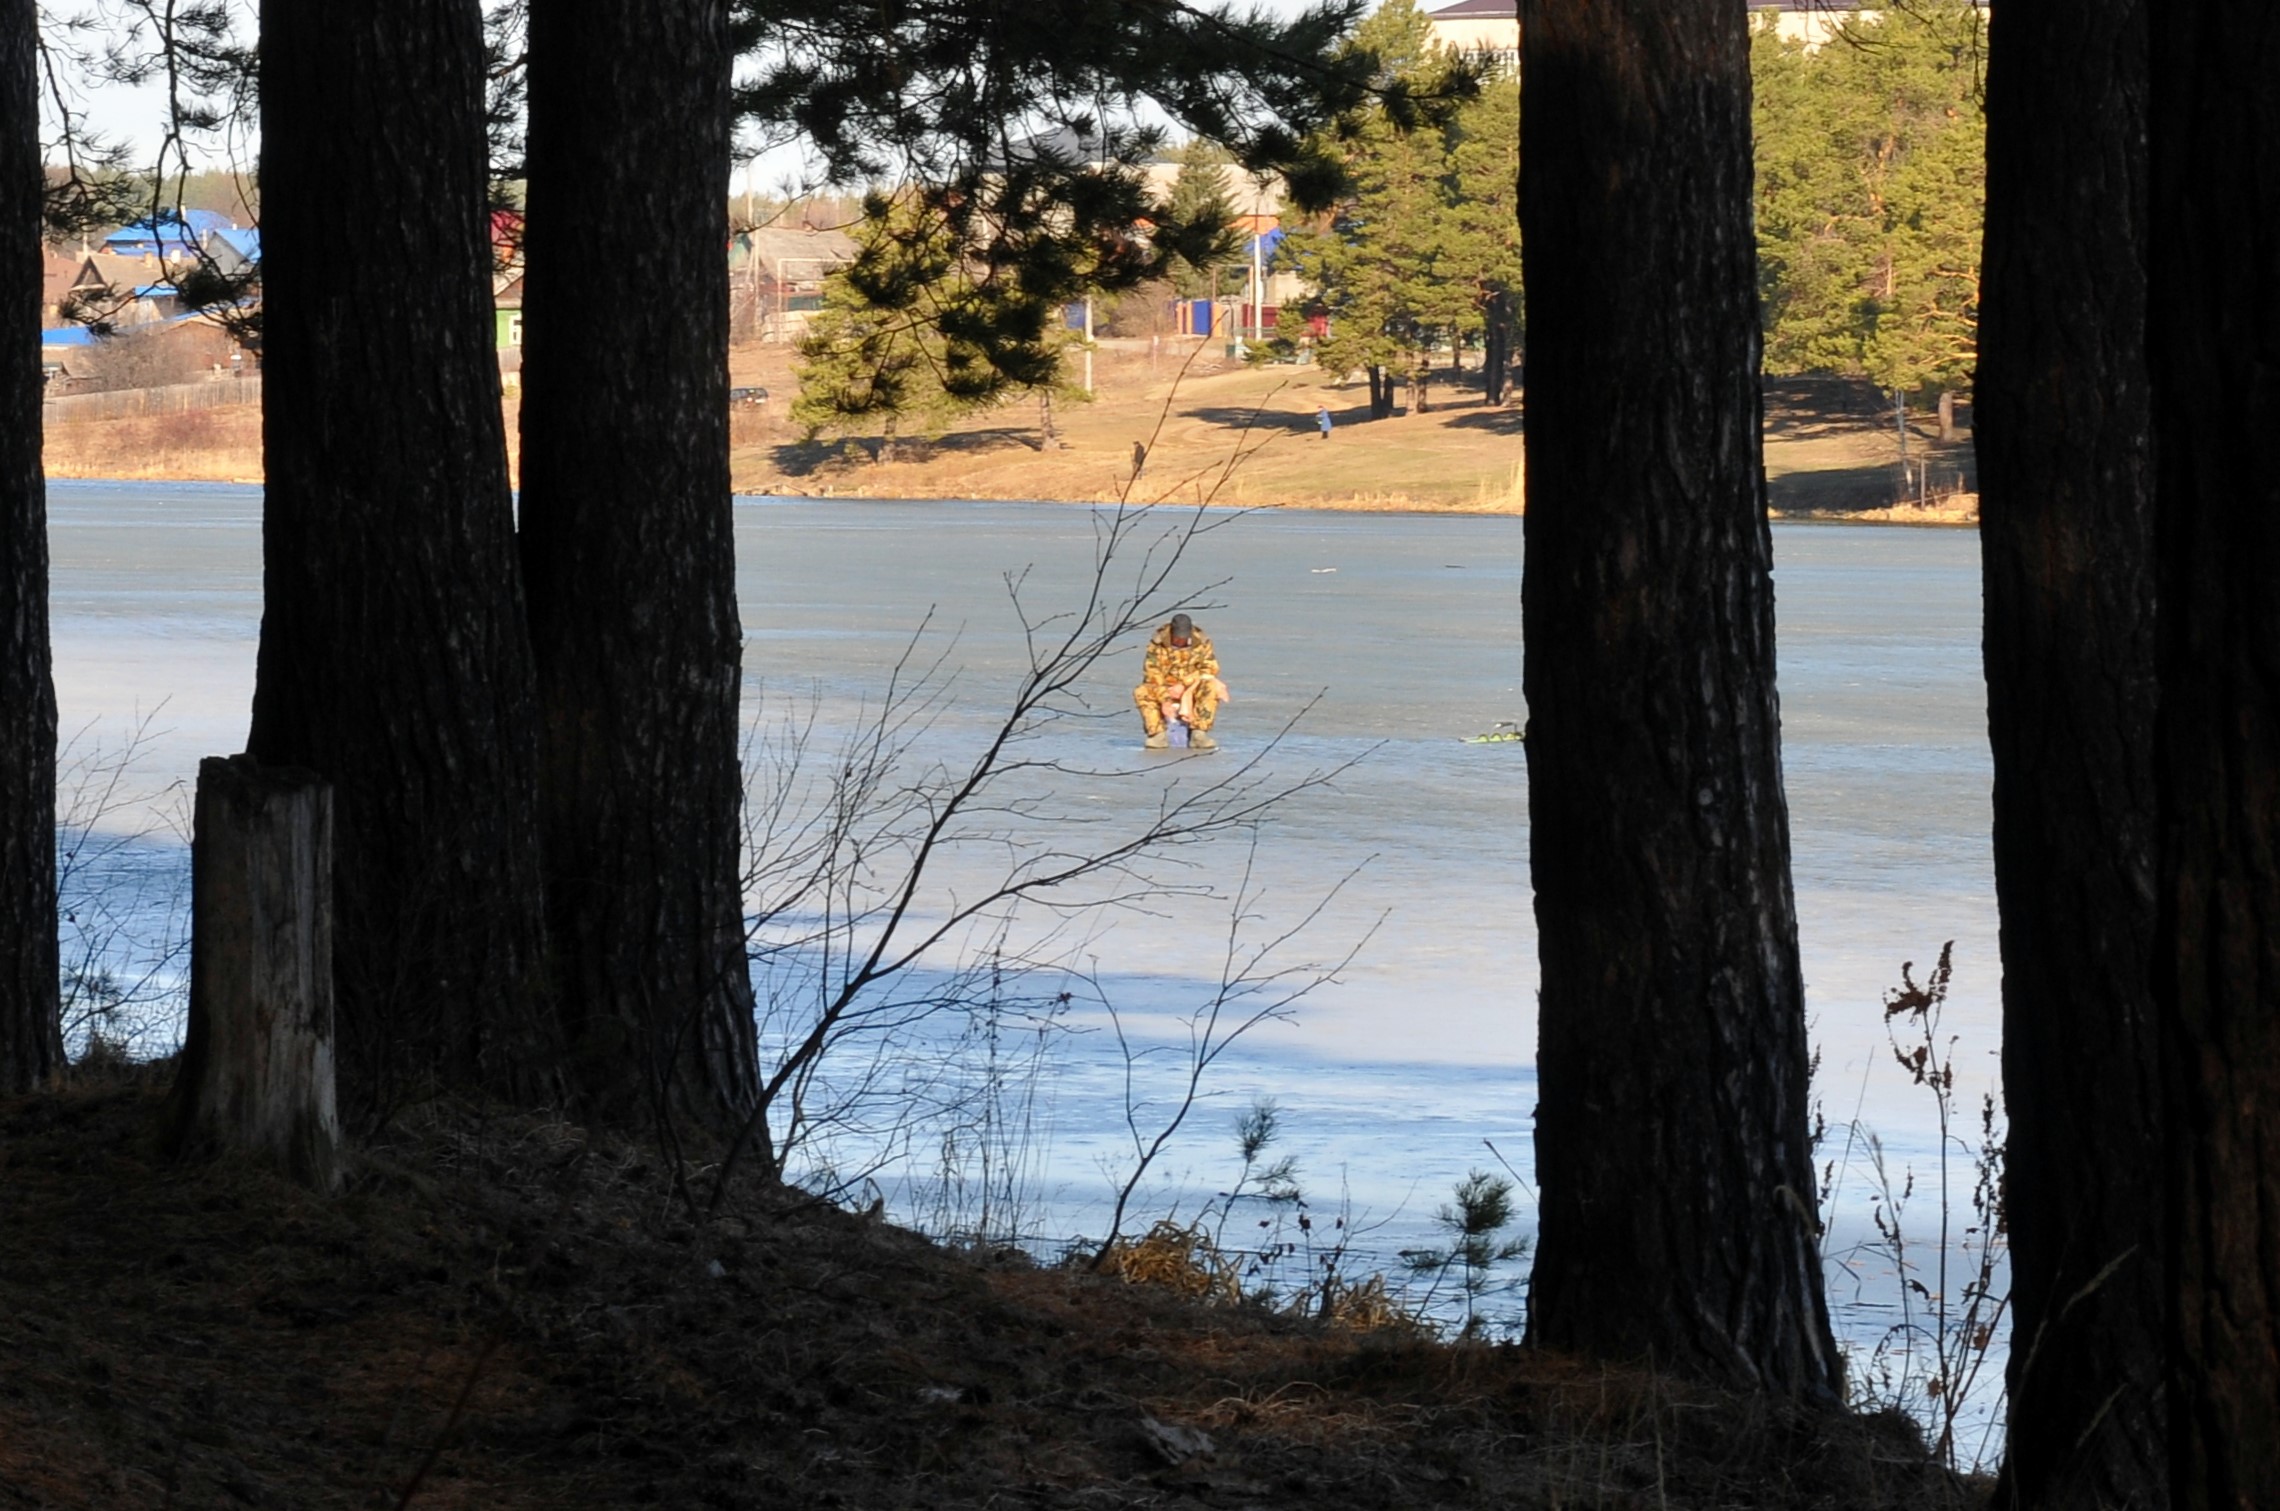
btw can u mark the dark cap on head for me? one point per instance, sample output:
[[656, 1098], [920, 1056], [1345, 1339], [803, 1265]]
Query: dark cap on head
[[1183, 628]]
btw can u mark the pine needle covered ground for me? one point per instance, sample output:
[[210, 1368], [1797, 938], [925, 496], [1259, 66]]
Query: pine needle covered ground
[[503, 1312]]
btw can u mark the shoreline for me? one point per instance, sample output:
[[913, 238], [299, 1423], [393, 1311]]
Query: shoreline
[[1960, 514], [1213, 435]]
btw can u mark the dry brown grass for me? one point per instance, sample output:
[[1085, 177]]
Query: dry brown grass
[[1217, 432], [201, 445]]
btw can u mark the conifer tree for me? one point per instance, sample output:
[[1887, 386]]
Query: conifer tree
[[875, 352], [628, 555], [1376, 262], [1672, 1152], [2063, 429], [1423, 250], [1481, 235], [1025, 143], [31, 1048], [1871, 187], [910, 334], [1203, 195], [394, 660]]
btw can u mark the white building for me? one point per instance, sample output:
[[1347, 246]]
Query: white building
[[1494, 25]]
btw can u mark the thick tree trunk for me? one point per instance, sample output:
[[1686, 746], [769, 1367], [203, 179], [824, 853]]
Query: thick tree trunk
[[393, 657], [2214, 339], [2066, 539], [1381, 394], [629, 550], [1672, 1149], [257, 1058], [31, 1048]]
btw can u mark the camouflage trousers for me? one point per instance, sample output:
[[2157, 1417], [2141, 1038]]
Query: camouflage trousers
[[1150, 698]]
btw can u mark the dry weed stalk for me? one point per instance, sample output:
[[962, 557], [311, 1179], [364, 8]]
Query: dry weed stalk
[[1931, 1364]]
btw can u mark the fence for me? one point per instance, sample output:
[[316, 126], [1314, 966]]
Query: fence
[[174, 398]]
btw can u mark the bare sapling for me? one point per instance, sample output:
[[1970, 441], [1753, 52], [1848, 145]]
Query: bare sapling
[[883, 884], [991, 1136], [122, 893], [1260, 981]]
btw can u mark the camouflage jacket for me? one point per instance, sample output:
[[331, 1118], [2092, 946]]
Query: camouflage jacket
[[1170, 665]]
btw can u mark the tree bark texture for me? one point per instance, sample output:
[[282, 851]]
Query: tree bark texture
[[1672, 1149], [1496, 345], [2064, 431], [31, 1046], [393, 659], [628, 547], [257, 1058], [2214, 339]]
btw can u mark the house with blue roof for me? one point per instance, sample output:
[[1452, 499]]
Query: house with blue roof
[[170, 349], [168, 235], [235, 249]]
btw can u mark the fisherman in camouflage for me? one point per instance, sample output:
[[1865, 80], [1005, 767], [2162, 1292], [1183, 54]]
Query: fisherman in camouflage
[[1180, 678]]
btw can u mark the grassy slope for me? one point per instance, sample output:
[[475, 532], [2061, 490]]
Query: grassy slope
[[503, 1312], [1216, 430]]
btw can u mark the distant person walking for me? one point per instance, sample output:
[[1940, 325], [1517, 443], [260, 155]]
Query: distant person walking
[[1322, 418]]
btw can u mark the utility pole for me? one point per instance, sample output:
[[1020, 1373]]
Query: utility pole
[[1258, 269]]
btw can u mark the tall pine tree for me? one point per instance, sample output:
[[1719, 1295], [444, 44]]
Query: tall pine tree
[[1678, 1219], [1481, 235], [2213, 339], [1376, 263], [629, 555], [1203, 194], [393, 659], [1422, 249], [31, 1048], [1870, 190], [2064, 434]]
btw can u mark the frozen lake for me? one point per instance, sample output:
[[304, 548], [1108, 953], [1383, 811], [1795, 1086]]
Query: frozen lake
[[1408, 629]]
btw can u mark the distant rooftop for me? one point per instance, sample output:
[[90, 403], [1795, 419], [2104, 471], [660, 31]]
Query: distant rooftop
[[1509, 10]]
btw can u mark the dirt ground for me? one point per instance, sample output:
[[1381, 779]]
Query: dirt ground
[[1216, 430], [503, 1312]]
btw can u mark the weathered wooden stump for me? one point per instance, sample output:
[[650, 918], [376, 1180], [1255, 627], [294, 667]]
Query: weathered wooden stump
[[257, 1059]]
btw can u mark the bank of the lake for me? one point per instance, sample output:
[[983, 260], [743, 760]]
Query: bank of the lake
[[1213, 430]]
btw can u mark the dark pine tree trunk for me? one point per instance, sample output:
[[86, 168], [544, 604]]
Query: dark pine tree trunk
[[1672, 1148], [629, 551], [2063, 428], [30, 1048], [2213, 323], [1496, 347], [393, 656]]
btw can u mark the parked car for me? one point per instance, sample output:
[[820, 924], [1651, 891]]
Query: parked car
[[755, 398]]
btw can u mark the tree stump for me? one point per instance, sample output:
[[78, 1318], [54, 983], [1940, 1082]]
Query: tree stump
[[257, 1060]]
